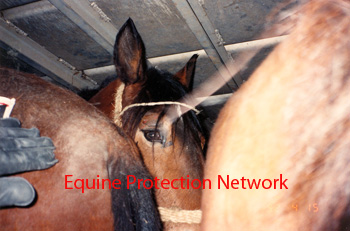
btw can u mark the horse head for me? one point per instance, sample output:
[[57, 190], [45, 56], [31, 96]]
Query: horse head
[[138, 100]]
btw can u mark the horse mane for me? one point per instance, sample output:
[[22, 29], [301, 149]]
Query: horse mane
[[167, 89]]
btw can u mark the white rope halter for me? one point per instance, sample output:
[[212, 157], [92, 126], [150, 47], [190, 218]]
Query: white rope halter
[[174, 215], [119, 110]]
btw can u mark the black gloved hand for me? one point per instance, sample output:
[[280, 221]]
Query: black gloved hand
[[15, 191], [21, 150]]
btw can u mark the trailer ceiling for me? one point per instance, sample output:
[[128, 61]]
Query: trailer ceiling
[[70, 42]]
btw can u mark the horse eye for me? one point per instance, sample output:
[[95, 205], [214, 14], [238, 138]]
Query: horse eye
[[153, 136]]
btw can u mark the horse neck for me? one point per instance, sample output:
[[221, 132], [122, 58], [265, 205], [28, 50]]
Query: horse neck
[[103, 100]]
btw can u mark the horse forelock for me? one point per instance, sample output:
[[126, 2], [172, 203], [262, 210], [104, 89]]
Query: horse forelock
[[160, 87]]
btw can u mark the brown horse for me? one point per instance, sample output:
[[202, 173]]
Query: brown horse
[[88, 146], [292, 117], [169, 150]]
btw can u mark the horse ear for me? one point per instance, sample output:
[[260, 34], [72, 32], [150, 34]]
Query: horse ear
[[129, 54], [186, 74]]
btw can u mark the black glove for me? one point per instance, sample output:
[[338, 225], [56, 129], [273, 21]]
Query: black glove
[[15, 191], [21, 150]]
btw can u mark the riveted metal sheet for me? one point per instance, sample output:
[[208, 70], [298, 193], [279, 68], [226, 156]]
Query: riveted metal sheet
[[6, 4], [161, 26], [49, 27], [239, 20]]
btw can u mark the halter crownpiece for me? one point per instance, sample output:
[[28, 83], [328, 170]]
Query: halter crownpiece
[[118, 106], [119, 111]]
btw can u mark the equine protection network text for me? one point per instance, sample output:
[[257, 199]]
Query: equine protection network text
[[223, 182]]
